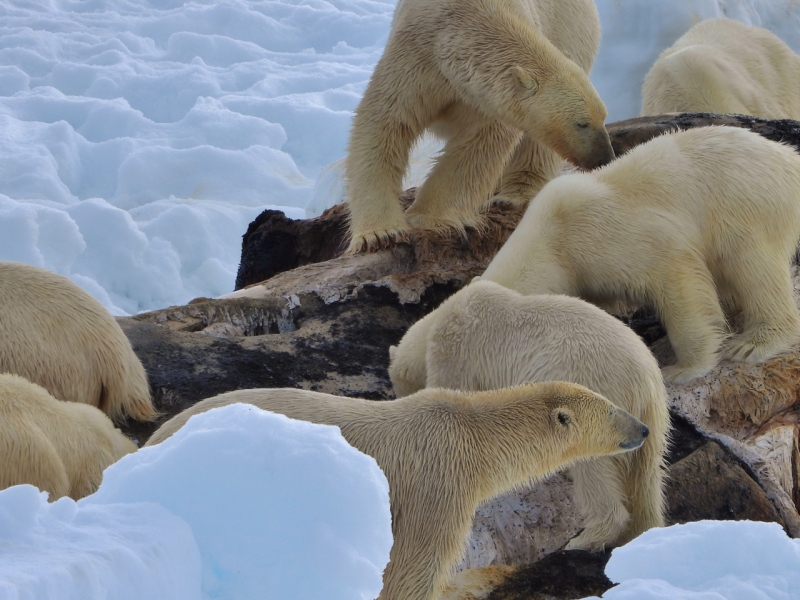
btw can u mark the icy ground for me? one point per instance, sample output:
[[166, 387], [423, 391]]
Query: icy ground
[[240, 504], [707, 560], [139, 137]]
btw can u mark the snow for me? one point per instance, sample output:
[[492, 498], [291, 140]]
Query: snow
[[279, 508], [240, 504], [66, 551], [707, 560], [140, 137]]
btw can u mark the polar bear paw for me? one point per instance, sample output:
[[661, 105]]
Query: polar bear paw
[[446, 223], [759, 345], [584, 541], [377, 240], [683, 374]]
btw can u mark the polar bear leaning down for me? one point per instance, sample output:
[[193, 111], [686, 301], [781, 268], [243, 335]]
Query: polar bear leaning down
[[496, 80], [682, 224], [488, 337]]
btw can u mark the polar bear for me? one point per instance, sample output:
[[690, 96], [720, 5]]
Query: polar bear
[[723, 66], [497, 81], [60, 447], [682, 223], [58, 336], [444, 452], [488, 337]]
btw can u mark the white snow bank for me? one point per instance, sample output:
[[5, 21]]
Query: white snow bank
[[225, 107], [707, 560], [279, 508], [63, 551]]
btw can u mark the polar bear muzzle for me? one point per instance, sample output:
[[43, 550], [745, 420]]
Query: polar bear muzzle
[[632, 429]]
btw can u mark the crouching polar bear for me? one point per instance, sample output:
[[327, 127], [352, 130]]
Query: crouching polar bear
[[496, 80], [680, 223], [488, 337], [723, 66], [58, 336], [60, 447], [444, 452]]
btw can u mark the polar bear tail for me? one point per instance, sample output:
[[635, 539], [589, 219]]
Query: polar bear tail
[[126, 392]]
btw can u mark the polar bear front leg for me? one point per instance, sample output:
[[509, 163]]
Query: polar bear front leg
[[531, 166], [376, 162], [688, 305], [600, 495], [429, 535], [464, 177]]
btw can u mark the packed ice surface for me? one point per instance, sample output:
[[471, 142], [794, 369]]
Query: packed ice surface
[[66, 551], [707, 560], [140, 137], [279, 508]]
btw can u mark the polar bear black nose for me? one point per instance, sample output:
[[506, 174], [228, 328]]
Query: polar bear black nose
[[645, 431]]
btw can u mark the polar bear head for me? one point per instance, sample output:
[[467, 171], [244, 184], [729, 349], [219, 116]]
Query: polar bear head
[[560, 107]]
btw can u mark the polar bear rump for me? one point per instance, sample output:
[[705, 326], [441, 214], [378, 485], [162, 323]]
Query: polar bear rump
[[56, 335]]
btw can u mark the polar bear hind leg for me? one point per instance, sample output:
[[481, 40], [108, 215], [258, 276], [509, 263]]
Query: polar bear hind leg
[[531, 166], [463, 178], [28, 456], [770, 323]]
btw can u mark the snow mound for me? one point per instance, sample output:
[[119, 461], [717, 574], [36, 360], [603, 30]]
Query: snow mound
[[707, 560], [63, 551], [115, 114], [279, 508]]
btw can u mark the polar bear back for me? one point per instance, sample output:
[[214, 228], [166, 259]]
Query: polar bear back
[[572, 26], [540, 338], [723, 66], [709, 191], [61, 447]]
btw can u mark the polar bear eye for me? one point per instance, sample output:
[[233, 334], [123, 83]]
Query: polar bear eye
[[582, 125], [563, 418]]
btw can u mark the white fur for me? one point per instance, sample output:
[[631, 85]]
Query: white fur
[[488, 337], [60, 447], [492, 78], [723, 66], [678, 223], [56, 335], [444, 452]]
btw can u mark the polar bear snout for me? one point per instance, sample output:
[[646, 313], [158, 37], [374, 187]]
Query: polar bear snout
[[634, 432], [599, 151]]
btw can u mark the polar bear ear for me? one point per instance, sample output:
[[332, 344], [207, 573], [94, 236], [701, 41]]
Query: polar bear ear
[[527, 81]]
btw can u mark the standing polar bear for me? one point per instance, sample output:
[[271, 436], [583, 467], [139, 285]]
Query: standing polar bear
[[679, 223], [58, 336], [495, 79], [488, 337], [723, 66], [60, 447], [445, 452]]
